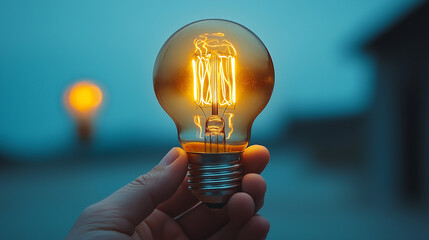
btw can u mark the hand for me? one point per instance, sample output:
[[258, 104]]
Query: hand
[[155, 206]]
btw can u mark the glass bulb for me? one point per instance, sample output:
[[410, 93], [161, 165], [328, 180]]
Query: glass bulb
[[213, 77]]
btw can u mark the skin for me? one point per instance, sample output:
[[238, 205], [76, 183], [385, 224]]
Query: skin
[[156, 206]]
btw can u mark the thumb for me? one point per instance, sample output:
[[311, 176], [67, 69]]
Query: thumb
[[137, 200]]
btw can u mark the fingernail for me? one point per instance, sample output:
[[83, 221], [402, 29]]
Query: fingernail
[[169, 158]]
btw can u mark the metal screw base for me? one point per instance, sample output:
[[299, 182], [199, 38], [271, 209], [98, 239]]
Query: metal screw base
[[214, 177]]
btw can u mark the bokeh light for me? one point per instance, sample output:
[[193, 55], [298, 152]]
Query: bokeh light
[[84, 98]]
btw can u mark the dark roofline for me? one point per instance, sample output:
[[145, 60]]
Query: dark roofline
[[411, 28]]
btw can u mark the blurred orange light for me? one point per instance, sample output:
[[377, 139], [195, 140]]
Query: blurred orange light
[[84, 97]]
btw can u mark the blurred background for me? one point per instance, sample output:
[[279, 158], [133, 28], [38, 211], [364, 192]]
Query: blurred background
[[347, 124]]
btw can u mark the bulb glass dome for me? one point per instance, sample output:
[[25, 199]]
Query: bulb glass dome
[[213, 77]]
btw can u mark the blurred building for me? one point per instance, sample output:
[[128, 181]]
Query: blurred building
[[333, 141], [399, 118], [388, 144]]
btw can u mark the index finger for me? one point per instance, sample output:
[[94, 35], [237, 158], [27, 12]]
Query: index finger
[[255, 159]]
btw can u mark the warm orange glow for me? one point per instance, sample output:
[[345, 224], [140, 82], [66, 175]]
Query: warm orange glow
[[201, 147], [84, 97], [214, 70], [213, 77]]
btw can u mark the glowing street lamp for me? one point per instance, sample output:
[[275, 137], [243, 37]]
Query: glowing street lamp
[[82, 100]]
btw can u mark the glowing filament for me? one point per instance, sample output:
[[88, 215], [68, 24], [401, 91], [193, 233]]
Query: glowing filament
[[197, 121], [214, 57], [231, 127]]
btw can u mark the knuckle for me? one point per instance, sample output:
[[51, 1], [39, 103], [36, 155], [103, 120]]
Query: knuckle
[[148, 178], [90, 211], [142, 180]]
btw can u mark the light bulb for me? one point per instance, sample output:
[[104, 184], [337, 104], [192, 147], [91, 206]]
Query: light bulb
[[213, 77], [82, 100]]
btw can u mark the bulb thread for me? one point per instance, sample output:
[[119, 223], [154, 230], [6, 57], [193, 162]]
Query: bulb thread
[[214, 177]]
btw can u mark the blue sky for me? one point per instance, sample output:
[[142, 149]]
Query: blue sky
[[47, 45]]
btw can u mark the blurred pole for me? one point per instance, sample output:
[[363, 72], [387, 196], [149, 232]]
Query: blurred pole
[[85, 131]]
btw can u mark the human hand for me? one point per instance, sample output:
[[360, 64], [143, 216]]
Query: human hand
[[156, 206]]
